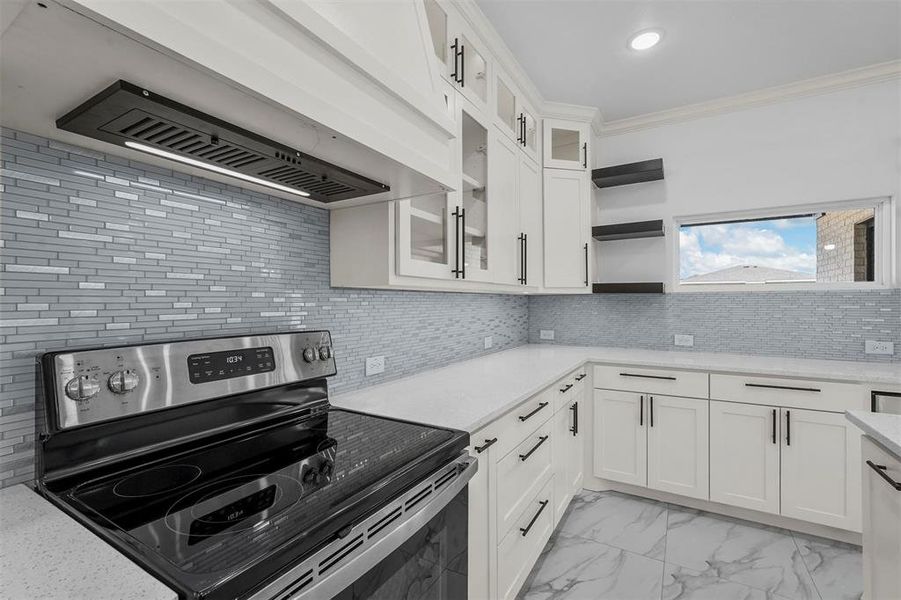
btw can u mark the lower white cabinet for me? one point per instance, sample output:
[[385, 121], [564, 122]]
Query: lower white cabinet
[[744, 455], [521, 472], [481, 519], [820, 468], [660, 442], [569, 455], [522, 545], [881, 522]]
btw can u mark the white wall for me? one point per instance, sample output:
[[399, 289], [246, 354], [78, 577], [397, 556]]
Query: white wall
[[839, 146]]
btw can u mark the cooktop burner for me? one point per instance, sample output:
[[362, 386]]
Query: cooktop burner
[[157, 480]]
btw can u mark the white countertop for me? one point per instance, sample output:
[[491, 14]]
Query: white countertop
[[470, 394], [46, 554], [883, 427]]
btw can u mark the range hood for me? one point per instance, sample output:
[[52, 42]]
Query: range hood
[[134, 117]]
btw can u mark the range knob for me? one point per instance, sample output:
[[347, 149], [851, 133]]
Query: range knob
[[325, 353], [309, 354], [83, 387], [121, 382]]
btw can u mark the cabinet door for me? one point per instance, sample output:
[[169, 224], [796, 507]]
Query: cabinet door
[[566, 145], [468, 63], [881, 523], [568, 456], [481, 544], [575, 458], [504, 230], [678, 459], [425, 244], [620, 437], [529, 124], [471, 214], [744, 455], [566, 230], [505, 110], [529, 192], [820, 468]]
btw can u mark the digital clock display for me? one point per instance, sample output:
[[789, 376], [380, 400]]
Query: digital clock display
[[213, 366]]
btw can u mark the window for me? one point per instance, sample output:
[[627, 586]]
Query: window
[[833, 246]]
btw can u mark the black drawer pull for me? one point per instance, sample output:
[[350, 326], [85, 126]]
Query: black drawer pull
[[651, 402], [575, 427], [774, 425], [525, 530], [641, 411], [486, 445], [566, 388], [582, 376], [782, 387], [788, 428], [881, 470], [541, 440], [529, 416], [668, 378]]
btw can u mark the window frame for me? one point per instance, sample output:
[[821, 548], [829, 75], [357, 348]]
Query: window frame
[[884, 232]]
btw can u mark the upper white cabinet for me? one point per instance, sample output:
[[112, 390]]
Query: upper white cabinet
[[514, 116], [567, 228], [566, 145]]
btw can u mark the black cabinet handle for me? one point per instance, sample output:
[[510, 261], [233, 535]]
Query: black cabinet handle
[[457, 244], [541, 440], [774, 425], [525, 259], [575, 427], [651, 401], [455, 47], [641, 411], [462, 66], [581, 376], [531, 414], [525, 530], [647, 376], [566, 388], [486, 445], [788, 428], [881, 470], [586, 264], [463, 243], [522, 259], [782, 387], [585, 160]]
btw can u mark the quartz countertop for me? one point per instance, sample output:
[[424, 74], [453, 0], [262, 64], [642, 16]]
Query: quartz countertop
[[883, 427], [46, 554], [470, 394]]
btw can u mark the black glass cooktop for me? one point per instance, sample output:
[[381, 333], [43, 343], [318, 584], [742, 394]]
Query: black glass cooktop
[[218, 520]]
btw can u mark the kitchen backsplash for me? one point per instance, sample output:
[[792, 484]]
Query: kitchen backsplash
[[100, 250], [805, 324]]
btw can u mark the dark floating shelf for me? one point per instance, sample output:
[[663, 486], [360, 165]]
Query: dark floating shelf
[[650, 287], [628, 231], [639, 172]]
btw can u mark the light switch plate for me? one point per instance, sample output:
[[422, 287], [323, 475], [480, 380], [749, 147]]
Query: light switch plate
[[489, 342], [546, 334], [684, 340], [375, 365], [874, 347]]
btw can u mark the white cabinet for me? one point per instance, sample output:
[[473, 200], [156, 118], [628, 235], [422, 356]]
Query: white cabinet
[[515, 117], [522, 471], [678, 446], [521, 547], [744, 455], [481, 521], [620, 437], [566, 145], [820, 468], [881, 522], [569, 456], [528, 188], [567, 229]]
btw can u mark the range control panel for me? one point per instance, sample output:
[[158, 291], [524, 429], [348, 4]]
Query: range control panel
[[108, 383]]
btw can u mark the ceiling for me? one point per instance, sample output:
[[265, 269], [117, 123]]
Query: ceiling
[[576, 51]]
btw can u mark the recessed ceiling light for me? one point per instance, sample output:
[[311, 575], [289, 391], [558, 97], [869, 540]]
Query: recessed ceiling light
[[645, 39]]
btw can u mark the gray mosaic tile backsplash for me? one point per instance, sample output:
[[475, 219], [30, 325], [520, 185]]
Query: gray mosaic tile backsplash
[[806, 324], [99, 250]]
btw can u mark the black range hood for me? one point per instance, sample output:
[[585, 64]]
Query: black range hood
[[130, 116]]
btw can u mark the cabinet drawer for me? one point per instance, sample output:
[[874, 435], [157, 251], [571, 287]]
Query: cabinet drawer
[[792, 393], [568, 387], [517, 553], [512, 428], [691, 384], [520, 474]]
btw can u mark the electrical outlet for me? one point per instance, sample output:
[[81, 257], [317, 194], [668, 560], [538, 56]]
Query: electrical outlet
[[684, 340], [489, 342], [874, 347], [375, 365], [546, 334]]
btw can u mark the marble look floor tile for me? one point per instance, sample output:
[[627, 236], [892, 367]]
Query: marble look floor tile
[[765, 558], [680, 583], [578, 568], [836, 567], [627, 522]]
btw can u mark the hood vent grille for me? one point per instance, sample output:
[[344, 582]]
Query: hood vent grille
[[127, 113]]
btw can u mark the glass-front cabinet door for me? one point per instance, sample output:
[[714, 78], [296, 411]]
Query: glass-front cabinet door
[[470, 214], [514, 117], [424, 237], [566, 145]]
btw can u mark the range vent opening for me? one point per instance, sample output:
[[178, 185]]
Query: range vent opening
[[124, 112]]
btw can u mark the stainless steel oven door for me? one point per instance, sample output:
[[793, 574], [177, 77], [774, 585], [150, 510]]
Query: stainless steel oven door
[[414, 547], [885, 402]]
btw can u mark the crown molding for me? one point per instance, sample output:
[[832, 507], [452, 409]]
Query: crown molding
[[808, 87], [574, 112]]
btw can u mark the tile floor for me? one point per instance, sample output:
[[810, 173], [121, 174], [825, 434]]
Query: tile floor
[[619, 547]]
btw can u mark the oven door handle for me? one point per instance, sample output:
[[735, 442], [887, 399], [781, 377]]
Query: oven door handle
[[332, 568]]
